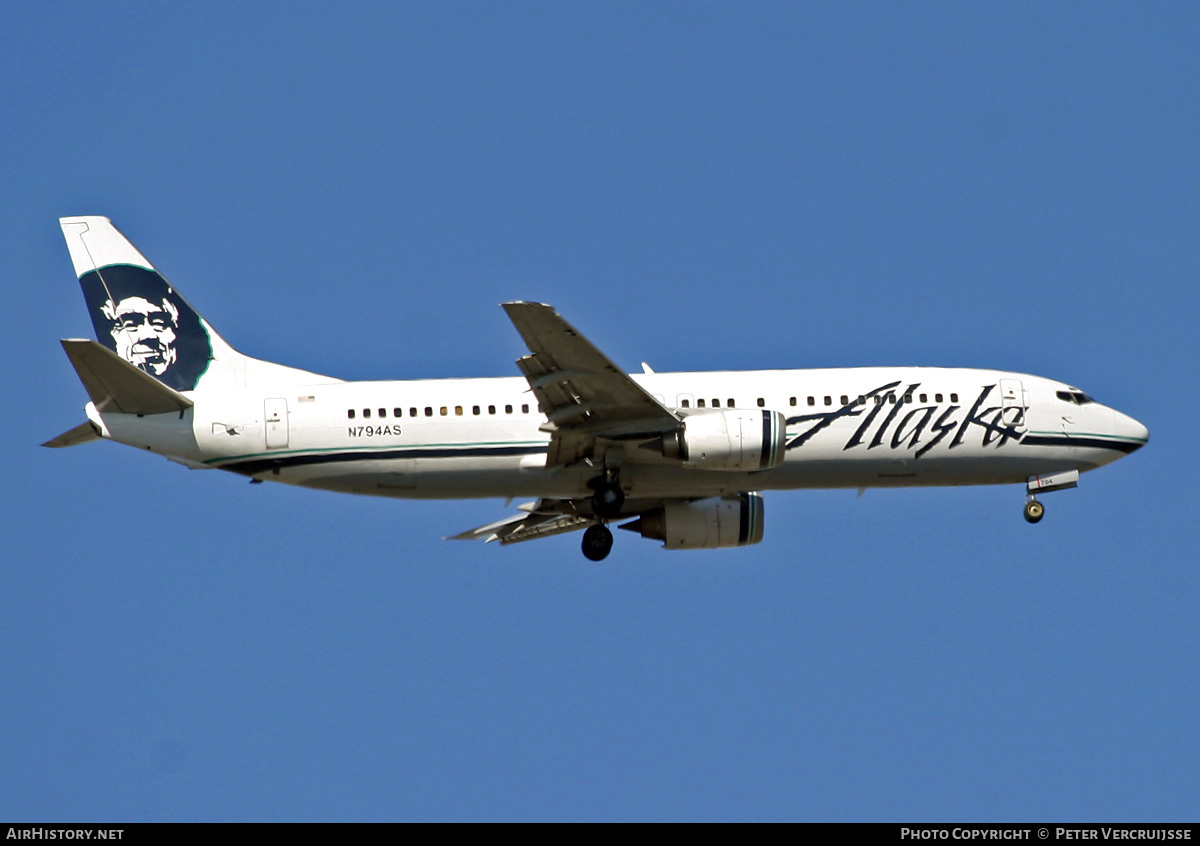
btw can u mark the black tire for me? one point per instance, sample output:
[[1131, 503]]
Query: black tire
[[1034, 511], [608, 500], [597, 543]]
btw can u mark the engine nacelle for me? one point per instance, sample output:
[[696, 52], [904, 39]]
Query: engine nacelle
[[733, 439], [713, 523]]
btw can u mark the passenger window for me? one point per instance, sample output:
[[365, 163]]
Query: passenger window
[[954, 398], [383, 412], [412, 412], [924, 398], [878, 399], [829, 400], [474, 409], [812, 401], [700, 403], [525, 409], [716, 403], [730, 403], [687, 404], [350, 413], [862, 400], [937, 397], [791, 400], [444, 411], [458, 411], [491, 409], [366, 412], [845, 400], [397, 412], [760, 402], [428, 411], [508, 409], [892, 399]]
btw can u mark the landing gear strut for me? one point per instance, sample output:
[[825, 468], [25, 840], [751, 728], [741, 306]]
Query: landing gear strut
[[1044, 483], [597, 542]]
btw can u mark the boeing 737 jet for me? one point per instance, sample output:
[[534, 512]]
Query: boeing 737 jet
[[682, 458]]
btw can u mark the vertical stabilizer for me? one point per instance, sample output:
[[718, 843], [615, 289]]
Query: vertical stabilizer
[[136, 312]]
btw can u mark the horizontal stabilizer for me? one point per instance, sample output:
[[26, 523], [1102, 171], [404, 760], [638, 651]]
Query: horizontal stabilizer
[[81, 434], [116, 385]]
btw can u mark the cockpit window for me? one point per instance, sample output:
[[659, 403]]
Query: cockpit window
[[1076, 397]]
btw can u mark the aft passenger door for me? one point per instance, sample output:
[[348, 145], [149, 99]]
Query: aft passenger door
[[276, 417]]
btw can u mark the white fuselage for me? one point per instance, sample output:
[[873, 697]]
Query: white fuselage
[[683, 454], [460, 438]]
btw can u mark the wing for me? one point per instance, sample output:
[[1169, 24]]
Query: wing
[[582, 393], [540, 518]]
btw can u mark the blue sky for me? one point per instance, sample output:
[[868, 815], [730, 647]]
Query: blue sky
[[353, 189]]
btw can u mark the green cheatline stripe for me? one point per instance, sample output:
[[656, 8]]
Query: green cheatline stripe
[[373, 448], [1091, 435]]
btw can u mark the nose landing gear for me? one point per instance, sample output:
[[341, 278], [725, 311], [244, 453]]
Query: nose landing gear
[[1044, 483]]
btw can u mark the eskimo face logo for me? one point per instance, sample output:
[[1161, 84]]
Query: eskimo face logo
[[139, 316], [144, 332]]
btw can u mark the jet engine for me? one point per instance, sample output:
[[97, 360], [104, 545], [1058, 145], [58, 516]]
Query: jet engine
[[713, 523], [727, 439]]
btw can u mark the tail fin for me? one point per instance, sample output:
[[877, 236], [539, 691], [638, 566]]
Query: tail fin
[[135, 311]]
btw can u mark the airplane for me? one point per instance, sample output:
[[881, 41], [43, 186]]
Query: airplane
[[682, 457]]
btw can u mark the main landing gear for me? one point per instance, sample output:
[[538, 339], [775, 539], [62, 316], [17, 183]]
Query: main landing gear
[[1034, 510], [597, 542], [607, 500]]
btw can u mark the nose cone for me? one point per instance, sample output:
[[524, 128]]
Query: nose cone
[[1130, 431]]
